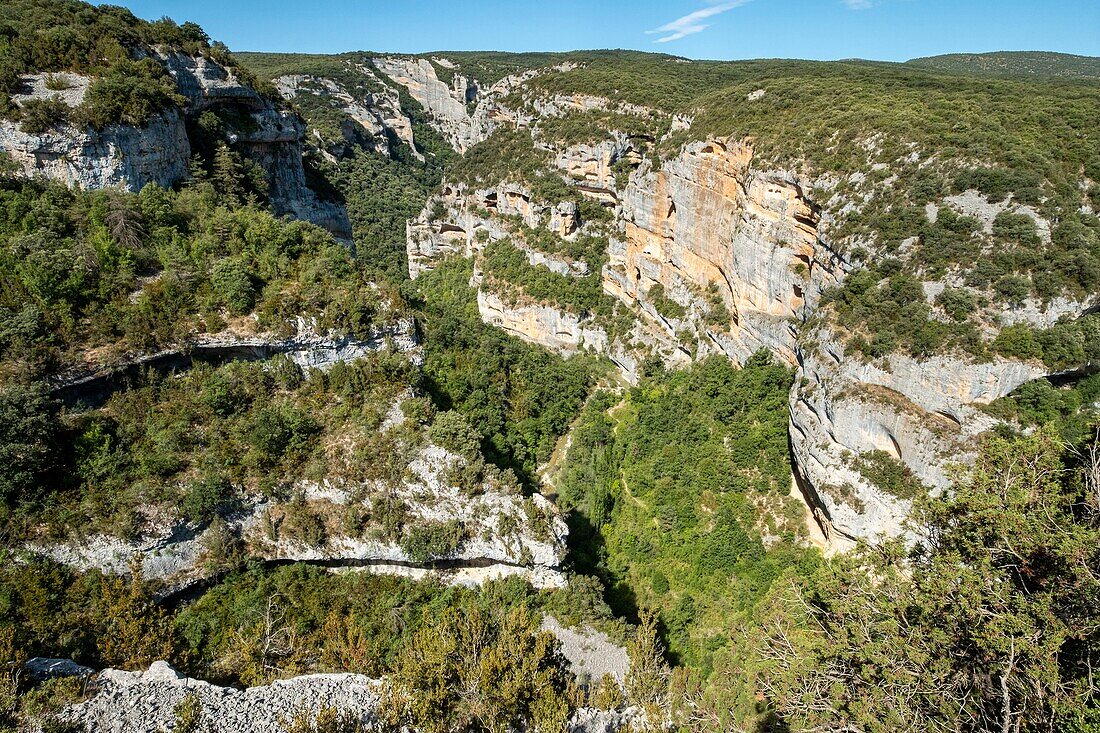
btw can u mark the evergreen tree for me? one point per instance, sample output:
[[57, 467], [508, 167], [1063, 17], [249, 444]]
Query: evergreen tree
[[990, 625]]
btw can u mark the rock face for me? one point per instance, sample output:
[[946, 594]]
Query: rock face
[[712, 254], [505, 534], [306, 346], [159, 152], [375, 113], [592, 167], [707, 219], [461, 111], [446, 104], [458, 221], [145, 702], [542, 324], [924, 414], [591, 654], [117, 155]]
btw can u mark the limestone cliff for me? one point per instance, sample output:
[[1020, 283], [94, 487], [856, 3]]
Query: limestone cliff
[[708, 219], [160, 151], [710, 252], [461, 221], [541, 324], [373, 115], [503, 533], [464, 113], [117, 155]]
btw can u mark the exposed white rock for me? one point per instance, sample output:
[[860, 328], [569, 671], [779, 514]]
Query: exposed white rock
[[375, 113], [922, 413], [593, 165], [591, 653], [458, 221], [145, 702], [974, 204], [117, 155], [70, 88], [306, 346], [542, 324], [446, 104], [462, 112], [159, 152]]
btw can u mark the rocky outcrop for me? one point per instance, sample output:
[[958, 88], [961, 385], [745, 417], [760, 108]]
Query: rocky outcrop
[[925, 414], [542, 324], [373, 114], [146, 701], [591, 654], [446, 104], [274, 141], [712, 254], [306, 346], [458, 221], [505, 534], [464, 113], [160, 151], [707, 219], [595, 168], [117, 155]]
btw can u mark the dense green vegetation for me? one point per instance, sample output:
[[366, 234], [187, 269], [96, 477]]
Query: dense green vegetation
[[257, 625], [520, 398], [84, 271], [988, 625], [1013, 63], [197, 443], [1073, 408], [666, 493], [510, 274], [107, 43]]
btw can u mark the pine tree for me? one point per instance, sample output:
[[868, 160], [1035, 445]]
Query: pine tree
[[228, 176]]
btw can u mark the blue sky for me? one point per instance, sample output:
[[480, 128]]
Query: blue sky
[[891, 30]]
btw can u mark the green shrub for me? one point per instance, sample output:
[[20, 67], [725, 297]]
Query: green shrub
[[302, 524], [207, 498], [889, 474], [453, 431], [427, 541], [231, 280], [957, 303], [275, 431], [1017, 342], [42, 115], [131, 93]]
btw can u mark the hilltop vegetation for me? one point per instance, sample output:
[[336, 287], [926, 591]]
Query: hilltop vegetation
[[1014, 63], [107, 43], [134, 272]]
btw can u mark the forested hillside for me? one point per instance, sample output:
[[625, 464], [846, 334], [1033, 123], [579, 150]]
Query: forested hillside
[[632, 393]]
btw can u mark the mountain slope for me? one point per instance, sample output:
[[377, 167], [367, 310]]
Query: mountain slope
[[1014, 63]]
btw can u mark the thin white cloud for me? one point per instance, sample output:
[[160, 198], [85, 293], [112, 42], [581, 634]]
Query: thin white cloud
[[693, 22], [858, 4]]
